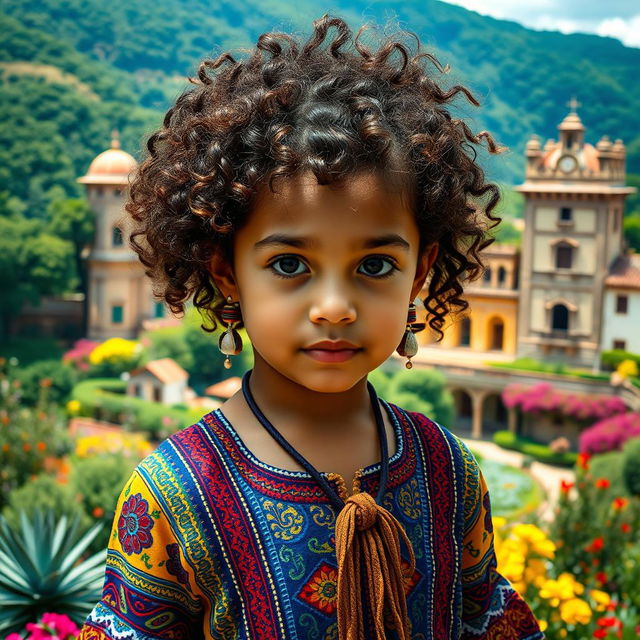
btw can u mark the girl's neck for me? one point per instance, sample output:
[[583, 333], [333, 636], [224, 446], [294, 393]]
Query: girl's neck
[[286, 402]]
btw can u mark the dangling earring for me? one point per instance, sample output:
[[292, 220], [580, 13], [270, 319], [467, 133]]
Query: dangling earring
[[408, 346], [230, 342]]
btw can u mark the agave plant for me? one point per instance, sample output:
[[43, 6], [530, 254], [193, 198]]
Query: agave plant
[[37, 572]]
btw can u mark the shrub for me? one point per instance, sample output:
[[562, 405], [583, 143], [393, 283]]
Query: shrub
[[540, 452], [27, 438], [609, 465], [542, 397], [78, 355], [115, 356], [49, 378], [429, 386], [96, 482], [610, 434], [45, 493], [631, 466], [611, 359]]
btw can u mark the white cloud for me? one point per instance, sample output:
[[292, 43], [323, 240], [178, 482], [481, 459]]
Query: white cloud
[[616, 18], [626, 30]]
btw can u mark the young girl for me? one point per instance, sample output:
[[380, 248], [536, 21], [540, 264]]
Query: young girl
[[308, 193]]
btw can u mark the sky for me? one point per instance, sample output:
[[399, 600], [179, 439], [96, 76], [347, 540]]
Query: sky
[[617, 18]]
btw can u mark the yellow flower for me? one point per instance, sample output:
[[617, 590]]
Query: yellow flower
[[114, 349], [601, 598], [575, 611], [543, 624], [628, 369], [564, 588], [535, 572], [73, 406]]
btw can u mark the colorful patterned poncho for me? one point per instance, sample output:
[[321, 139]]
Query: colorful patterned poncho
[[208, 541]]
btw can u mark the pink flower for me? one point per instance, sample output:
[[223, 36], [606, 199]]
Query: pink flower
[[53, 625], [13, 636]]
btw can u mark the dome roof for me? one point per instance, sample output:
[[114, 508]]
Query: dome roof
[[112, 166]]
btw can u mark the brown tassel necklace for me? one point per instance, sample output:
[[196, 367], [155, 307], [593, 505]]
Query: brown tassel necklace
[[367, 545]]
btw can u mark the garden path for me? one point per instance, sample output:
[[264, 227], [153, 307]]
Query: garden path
[[549, 476]]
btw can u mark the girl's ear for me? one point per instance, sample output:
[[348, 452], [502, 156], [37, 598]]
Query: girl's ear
[[425, 262], [222, 275]]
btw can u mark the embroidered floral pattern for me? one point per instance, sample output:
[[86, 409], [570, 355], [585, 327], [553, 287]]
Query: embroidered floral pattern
[[135, 524], [285, 521], [321, 591]]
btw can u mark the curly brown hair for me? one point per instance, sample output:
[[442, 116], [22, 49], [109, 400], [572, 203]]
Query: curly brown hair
[[291, 107]]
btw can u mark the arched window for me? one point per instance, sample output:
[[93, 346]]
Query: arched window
[[564, 256], [559, 318], [487, 275], [465, 332], [502, 276]]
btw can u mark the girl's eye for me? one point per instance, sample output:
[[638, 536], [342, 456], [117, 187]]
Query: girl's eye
[[380, 261], [289, 264], [375, 263]]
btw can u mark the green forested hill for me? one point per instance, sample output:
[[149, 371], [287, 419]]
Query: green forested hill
[[126, 61]]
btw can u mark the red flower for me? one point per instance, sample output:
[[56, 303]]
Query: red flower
[[565, 487], [602, 483], [625, 527], [620, 503], [596, 545], [600, 633], [610, 621], [601, 576], [583, 460]]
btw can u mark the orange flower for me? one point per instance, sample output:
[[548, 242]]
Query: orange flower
[[5, 447], [98, 512], [596, 545], [5, 420], [565, 487], [620, 503], [602, 483], [46, 382], [625, 527], [583, 460], [26, 446], [41, 446]]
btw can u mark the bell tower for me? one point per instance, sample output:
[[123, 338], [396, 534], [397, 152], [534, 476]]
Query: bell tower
[[574, 203], [119, 292]]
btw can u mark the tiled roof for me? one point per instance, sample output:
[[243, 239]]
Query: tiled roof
[[625, 272], [167, 370]]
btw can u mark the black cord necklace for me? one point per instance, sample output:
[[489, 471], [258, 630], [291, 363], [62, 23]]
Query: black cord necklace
[[336, 500]]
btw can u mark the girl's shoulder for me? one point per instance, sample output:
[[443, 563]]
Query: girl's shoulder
[[441, 443]]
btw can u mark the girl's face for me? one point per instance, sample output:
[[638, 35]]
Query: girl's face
[[326, 263]]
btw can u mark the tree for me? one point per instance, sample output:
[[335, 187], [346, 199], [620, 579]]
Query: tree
[[34, 263]]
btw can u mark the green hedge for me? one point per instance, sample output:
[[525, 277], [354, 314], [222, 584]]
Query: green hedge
[[540, 452], [611, 359], [105, 399]]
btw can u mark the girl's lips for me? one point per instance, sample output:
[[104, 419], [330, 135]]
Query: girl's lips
[[325, 355]]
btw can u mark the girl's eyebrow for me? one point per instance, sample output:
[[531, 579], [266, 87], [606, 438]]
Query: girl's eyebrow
[[275, 239]]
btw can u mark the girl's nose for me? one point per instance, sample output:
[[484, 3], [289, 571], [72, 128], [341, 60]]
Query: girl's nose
[[332, 303]]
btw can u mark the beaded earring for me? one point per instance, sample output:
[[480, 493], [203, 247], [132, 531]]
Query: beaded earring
[[408, 346], [230, 342]]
